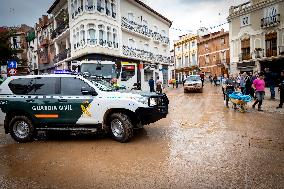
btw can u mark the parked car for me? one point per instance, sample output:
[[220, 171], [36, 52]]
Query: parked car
[[73, 103], [193, 83]]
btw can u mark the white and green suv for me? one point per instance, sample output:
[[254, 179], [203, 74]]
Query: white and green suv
[[69, 102]]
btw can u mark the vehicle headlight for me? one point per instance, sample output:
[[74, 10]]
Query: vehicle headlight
[[153, 101]]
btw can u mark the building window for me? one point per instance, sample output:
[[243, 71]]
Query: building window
[[100, 6], [115, 42], [82, 35], [113, 9], [222, 41], [186, 61], [163, 32], [207, 59], [77, 37], [193, 44], [109, 41], [102, 41], [131, 17], [245, 48], [146, 47], [271, 44], [185, 46], [107, 5], [245, 20], [178, 49], [90, 5], [156, 50]]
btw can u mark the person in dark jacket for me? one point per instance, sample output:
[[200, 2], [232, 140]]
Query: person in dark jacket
[[281, 90], [269, 78], [152, 85]]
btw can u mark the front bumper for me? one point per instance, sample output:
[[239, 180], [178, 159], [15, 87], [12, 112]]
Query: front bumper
[[192, 87], [151, 114]]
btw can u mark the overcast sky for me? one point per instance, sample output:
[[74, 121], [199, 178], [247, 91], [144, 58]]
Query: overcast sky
[[185, 14]]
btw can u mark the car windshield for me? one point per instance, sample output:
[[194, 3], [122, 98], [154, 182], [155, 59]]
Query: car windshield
[[193, 78], [103, 85], [102, 70]]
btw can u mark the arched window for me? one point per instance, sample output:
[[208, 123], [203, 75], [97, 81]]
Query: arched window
[[131, 16], [109, 42], [102, 41], [72, 9], [74, 39], [114, 38], [113, 9], [82, 35], [163, 32], [92, 34]]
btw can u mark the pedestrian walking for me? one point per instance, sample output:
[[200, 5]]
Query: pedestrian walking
[[269, 78], [215, 80], [247, 80], [211, 79], [223, 84], [259, 87], [159, 83], [177, 83], [152, 84], [242, 82], [202, 76], [230, 86], [173, 82], [281, 90]]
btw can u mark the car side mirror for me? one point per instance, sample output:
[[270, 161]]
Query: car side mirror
[[88, 91]]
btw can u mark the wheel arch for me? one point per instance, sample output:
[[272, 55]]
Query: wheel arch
[[12, 114], [133, 117]]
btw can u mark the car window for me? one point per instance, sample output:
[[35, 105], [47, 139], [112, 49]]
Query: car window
[[22, 86], [45, 86], [193, 78], [72, 86]]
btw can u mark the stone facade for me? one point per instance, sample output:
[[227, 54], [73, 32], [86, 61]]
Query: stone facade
[[214, 53]]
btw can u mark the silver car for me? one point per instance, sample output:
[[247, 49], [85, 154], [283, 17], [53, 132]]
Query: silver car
[[193, 83]]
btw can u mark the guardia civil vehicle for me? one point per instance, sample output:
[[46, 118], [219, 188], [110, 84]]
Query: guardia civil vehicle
[[73, 103]]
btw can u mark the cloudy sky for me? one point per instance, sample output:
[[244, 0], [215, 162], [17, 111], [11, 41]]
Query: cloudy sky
[[187, 15]]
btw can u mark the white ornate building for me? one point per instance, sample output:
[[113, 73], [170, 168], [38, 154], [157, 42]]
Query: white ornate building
[[111, 30], [257, 36]]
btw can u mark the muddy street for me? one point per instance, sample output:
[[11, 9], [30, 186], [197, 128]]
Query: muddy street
[[201, 144]]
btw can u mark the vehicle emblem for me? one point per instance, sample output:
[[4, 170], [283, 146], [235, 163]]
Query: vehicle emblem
[[85, 107]]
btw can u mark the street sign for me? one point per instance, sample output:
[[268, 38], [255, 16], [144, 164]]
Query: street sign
[[12, 71], [11, 64]]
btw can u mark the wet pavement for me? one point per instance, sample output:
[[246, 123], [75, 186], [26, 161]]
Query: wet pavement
[[201, 144]]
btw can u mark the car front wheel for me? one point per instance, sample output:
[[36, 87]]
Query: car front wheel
[[21, 129], [121, 127]]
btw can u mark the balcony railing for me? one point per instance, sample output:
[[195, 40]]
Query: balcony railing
[[144, 55], [270, 21], [90, 7], [270, 53], [143, 30], [94, 42], [245, 56], [281, 50], [246, 64], [62, 56], [59, 30]]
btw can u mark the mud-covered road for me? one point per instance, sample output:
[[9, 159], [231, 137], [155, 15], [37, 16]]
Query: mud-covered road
[[201, 144]]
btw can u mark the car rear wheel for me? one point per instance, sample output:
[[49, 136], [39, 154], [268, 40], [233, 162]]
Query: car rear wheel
[[121, 127], [21, 129]]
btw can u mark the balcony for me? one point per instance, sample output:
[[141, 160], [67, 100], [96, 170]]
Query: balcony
[[62, 56], [245, 64], [144, 55], [270, 52], [60, 29], [281, 50], [245, 56], [270, 21]]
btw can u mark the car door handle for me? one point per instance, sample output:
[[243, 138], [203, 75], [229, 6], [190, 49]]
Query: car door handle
[[30, 100], [62, 100]]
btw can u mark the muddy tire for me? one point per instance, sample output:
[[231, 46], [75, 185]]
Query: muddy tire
[[185, 91], [21, 129], [121, 128]]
